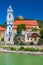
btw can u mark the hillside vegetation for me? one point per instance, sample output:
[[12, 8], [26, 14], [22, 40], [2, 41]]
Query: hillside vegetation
[[40, 23], [3, 25]]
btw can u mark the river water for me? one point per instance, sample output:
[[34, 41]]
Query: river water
[[20, 59]]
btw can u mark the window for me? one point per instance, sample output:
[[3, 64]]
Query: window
[[9, 28], [9, 15], [10, 34]]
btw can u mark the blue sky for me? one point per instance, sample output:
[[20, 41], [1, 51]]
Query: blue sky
[[32, 9]]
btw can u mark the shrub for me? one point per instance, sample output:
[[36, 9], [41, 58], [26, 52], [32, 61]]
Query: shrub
[[2, 39], [26, 49], [41, 33], [41, 50], [40, 42], [12, 48], [20, 28], [21, 48], [21, 43], [31, 49], [34, 29], [4, 47], [31, 43]]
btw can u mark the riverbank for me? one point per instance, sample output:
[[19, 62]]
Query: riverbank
[[21, 52], [38, 50]]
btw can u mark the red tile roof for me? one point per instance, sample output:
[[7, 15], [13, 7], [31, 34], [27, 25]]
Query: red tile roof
[[28, 23], [2, 29], [27, 26]]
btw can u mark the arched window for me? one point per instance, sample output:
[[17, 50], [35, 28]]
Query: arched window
[[9, 15], [9, 27]]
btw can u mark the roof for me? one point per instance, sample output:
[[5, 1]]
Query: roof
[[28, 23], [35, 35], [2, 29], [27, 26]]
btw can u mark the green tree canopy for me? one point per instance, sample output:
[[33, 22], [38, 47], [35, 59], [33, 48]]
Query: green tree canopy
[[41, 33], [21, 27], [3, 25], [34, 29]]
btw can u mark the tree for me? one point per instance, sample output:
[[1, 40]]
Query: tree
[[40, 22], [40, 42], [2, 39], [41, 33], [3, 25], [34, 29], [20, 28]]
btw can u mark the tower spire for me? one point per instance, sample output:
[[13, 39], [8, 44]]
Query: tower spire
[[10, 3], [10, 6]]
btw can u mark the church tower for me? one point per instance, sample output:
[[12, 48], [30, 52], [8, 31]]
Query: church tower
[[10, 20]]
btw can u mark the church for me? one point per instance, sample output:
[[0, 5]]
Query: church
[[11, 29]]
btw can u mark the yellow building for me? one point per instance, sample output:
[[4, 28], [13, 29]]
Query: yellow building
[[2, 30]]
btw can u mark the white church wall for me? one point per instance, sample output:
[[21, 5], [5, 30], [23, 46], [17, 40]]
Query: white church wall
[[10, 20]]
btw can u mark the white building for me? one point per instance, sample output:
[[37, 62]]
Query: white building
[[11, 29], [27, 35]]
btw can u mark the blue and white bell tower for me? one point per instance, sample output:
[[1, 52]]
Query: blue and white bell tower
[[10, 20]]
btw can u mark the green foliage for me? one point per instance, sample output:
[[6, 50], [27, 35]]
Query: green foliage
[[21, 48], [41, 33], [31, 43], [20, 43], [40, 23], [40, 42], [15, 38], [3, 25], [12, 48], [17, 19], [34, 29], [2, 39], [41, 50], [31, 49], [26, 49], [21, 27]]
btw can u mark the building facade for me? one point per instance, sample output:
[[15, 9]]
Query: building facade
[[11, 29], [28, 35], [10, 20], [2, 31]]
